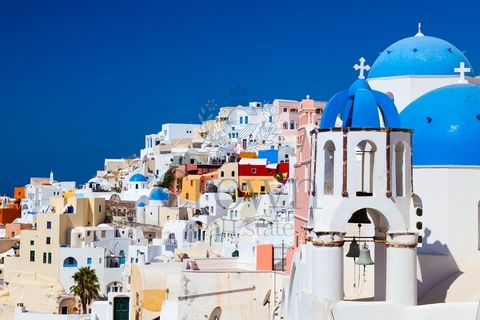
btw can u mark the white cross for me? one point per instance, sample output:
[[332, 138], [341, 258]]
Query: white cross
[[462, 70], [362, 67]]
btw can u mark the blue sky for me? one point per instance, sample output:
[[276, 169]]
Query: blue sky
[[84, 80]]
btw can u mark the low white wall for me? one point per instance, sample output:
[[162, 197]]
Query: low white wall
[[21, 314], [381, 310]]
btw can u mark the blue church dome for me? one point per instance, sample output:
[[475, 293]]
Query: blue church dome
[[418, 55], [159, 194], [138, 177], [359, 107], [141, 204], [446, 126]]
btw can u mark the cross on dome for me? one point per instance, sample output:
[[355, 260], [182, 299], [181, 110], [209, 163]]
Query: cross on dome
[[462, 70], [362, 67], [419, 33]]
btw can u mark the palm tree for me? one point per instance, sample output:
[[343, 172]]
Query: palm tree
[[86, 286]]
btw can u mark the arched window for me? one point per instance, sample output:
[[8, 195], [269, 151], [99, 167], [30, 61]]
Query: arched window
[[292, 125], [400, 169], [328, 171], [70, 262], [365, 168]]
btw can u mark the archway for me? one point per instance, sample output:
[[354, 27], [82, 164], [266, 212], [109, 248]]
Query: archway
[[400, 162], [365, 233], [70, 262], [365, 168], [328, 171]]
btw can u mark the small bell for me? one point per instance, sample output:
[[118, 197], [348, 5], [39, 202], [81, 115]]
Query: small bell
[[354, 249], [364, 258], [359, 216]]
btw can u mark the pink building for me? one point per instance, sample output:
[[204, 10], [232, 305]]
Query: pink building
[[309, 115]]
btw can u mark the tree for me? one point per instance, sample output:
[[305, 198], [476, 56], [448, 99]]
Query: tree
[[168, 178], [279, 177], [86, 286]]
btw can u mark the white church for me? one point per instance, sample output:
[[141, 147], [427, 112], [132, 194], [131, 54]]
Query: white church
[[394, 211]]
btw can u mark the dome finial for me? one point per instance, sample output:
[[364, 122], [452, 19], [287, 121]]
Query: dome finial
[[419, 33], [362, 67], [462, 70]]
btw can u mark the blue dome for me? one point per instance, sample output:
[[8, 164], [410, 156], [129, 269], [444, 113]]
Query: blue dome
[[446, 126], [141, 204], [159, 194], [137, 177], [419, 55], [359, 107]]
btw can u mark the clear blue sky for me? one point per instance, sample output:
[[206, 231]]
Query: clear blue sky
[[84, 80]]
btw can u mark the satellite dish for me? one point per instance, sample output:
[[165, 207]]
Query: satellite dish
[[266, 300], [216, 313]]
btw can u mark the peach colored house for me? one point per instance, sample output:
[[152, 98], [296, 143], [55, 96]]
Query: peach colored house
[[13, 230], [264, 257]]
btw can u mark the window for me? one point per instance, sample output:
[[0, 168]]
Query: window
[[104, 233], [365, 168], [262, 189], [285, 109], [69, 262], [328, 170], [233, 173], [191, 183], [49, 225], [270, 119], [32, 242], [241, 120], [47, 240], [244, 186], [246, 119], [100, 208], [222, 174], [89, 261], [44, 257], [399, 169], [32, 256], [136, 186], [254, 170], [64, 309], [49, 258]]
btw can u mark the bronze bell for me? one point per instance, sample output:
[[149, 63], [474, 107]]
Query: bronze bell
[[364, 259], [354, 249], [359, 216]]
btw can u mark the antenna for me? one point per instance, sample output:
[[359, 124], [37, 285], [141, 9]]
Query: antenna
[[216, 313], [266, 300]]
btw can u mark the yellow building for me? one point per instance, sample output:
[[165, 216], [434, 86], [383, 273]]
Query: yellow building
[[33, 275], [257, 184], [148, 286], [194, 185]]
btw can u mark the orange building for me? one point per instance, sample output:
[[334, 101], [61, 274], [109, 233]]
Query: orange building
[[10, 210], [19, 193]]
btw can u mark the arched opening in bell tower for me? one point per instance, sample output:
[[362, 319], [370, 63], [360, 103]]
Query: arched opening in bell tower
[[365, 256], [400, 169], [365, 165], [329, 172]]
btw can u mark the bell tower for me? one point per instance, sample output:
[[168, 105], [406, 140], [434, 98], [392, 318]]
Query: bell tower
[[362, 167]]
